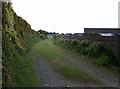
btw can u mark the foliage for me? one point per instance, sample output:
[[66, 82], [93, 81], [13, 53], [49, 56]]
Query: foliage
[[82, 47], [74, 73], [53, 55], [103, 60], [94, 50], [43, 34], [17, 39], [56, 36]]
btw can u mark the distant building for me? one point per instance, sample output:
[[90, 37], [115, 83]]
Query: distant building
[[103, 31], [68, 34], [78, 34], [51, 33]]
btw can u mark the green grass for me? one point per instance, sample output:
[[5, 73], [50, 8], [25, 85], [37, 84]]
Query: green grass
[[112, 69], [55, 56], [22, 69], [75, 74], [19, 66], [23, 72], [47, 50]]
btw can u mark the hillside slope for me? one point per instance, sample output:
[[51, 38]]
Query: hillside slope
[[17, 37]]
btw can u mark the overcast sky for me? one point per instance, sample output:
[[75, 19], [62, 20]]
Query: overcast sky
[[68, 16]]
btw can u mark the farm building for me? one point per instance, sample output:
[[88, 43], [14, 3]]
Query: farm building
[[103, 31], [78, 34], [109, 36]]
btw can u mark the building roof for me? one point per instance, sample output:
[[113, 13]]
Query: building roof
[[102, 30]]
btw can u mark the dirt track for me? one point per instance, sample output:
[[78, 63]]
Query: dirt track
[[51, 78]]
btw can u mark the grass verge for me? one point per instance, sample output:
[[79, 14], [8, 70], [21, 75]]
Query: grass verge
[[77, 75], [18, 68], [112, 69]]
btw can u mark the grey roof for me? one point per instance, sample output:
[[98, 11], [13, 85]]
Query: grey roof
[[102, 30]]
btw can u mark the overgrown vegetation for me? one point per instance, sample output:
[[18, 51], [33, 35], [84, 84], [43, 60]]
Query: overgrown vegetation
[[18, 38], [96, 51], [55, 56], [43, 34]]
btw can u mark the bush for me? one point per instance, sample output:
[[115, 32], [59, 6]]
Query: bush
[[56, 36], [82, 46], [103, 60], [66, 43], [95, 49], [74, 42], [85, 43]]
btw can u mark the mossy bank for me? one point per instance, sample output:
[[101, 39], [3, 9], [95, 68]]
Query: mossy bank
[[18, 38]]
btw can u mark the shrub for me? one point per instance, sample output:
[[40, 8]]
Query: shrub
[[66, 43], [56, 36], [74, 42], [85, 43], [103, 60], [82, 46], [95, 49]]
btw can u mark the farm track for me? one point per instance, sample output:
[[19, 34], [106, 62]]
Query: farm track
[[50, 78], [107, 79]]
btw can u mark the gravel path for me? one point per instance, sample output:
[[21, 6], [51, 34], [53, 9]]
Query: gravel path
[[107, 80], [50, 78]]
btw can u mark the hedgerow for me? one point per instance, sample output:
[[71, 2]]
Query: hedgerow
[[94, 50]]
